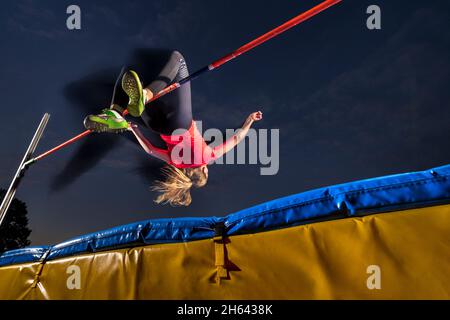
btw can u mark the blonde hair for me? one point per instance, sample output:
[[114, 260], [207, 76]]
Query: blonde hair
[[176, 187]]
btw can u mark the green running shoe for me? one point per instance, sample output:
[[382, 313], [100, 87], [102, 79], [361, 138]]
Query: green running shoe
[[133, 88], [108, 121]]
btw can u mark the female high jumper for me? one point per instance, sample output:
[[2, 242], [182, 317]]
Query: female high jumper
[[186, 154]]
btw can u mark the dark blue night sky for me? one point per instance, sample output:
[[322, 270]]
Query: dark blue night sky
[[350, 103]]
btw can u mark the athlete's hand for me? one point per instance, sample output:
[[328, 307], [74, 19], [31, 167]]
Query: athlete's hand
[[255, 116]]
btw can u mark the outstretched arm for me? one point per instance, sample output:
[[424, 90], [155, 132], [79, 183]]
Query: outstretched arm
[[232, 142], [147, 146]]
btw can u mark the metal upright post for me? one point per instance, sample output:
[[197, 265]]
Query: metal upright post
[[9, 196]]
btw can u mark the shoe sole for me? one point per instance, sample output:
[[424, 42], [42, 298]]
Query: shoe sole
[[100, 128], [133, 88]]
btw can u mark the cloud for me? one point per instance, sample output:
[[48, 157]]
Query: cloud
[[109, 15], [32, 17], [394, 97], [171, 20]]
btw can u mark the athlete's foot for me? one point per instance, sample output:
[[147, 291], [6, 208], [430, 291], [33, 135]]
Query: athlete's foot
[[117, 108], [108, 121], [133, 88], [148, 95]]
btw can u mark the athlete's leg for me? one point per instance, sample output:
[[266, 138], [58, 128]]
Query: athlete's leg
[[174, 110], [168, 113], [168, 73], [120, 98]]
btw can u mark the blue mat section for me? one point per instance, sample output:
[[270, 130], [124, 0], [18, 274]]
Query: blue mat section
[[29, 254], [389, 193]]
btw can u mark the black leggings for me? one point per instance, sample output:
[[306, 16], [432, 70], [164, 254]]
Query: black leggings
[[172, 111]]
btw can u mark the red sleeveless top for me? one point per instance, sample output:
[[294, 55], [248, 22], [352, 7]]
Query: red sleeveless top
[[188, 149]]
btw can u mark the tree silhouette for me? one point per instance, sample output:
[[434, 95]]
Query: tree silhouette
[[14, 231]]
